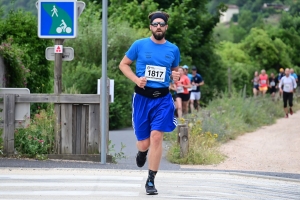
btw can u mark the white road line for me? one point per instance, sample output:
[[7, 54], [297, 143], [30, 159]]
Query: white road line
[[65, 184], [95, 177], [68, 193]]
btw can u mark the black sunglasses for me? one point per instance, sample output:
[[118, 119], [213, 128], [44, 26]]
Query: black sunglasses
[[162, 24]]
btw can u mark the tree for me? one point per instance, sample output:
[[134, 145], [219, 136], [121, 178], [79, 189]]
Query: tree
[[22, 27], [268, 53]]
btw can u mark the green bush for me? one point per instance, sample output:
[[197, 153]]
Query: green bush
[[236, 115], [203, 147], [22, 28], [223, 119], [15, 71], [37, 139], [83, 72]]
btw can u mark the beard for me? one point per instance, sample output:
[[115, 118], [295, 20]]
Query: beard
[[159, 35]]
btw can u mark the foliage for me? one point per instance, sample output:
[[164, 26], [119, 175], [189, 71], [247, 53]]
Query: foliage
[[14, 5], [82, 73], [266, 52], [203, 147], [116, 155], [236, 115], [225, 118], [37, 139], [16, 73], [22, 28]]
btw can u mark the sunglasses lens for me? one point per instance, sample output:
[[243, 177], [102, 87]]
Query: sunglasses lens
[[155, 24]]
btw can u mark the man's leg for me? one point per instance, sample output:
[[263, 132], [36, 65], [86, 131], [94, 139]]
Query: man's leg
[[192, 105], [284, 95], [155, 154], [179, 107], [141, 156], [291, 95]]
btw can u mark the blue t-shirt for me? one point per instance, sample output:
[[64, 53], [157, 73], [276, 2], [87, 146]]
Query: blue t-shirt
[[295, 76], [190, 76], [146, 52], [197, 79]]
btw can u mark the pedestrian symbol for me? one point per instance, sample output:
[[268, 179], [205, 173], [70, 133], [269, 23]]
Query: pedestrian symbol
[[54, 11], [57, 19]]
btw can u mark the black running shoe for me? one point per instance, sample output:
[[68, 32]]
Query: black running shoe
[[150, 188], [141, 159]]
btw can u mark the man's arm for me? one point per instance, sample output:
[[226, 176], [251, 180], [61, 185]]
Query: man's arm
[[202, 83], [294, 83], [127, 71], [175, 74], [125, 68]]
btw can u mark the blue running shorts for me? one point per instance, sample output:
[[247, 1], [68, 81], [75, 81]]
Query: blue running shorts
[[150, 114]]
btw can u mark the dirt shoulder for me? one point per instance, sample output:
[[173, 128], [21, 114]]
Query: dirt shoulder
[[274, 148]]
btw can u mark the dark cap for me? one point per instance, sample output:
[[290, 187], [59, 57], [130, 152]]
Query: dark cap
[[194, 68], [158, 14]]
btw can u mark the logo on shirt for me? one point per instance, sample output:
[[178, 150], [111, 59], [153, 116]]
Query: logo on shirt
[[148, 54], [168, 56]]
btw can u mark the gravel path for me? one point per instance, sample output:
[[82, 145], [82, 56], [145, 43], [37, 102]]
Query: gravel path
[[274, 148]]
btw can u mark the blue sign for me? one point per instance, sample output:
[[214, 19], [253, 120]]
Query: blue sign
[[57, 19]]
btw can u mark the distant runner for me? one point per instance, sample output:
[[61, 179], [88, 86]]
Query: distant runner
[[263, 82], [255, 81], [197, 81], [289, 85], [273, 85]]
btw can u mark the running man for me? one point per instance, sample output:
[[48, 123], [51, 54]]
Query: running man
[[293, 74], [157, 62], [190, 76], [263, 82], [289, 85], [273, 85], [279, 77], [255, 81], [182, 93], [197, 81]]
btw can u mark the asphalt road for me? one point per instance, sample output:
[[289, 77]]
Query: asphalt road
[[127, 137], [89, 184]]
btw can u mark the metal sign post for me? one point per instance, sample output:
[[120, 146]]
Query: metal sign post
[[103, 102]]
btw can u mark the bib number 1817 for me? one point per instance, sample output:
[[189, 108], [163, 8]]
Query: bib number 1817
[[155, 73]]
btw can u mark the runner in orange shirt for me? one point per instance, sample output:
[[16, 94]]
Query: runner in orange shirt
[[263, 82], [182, 93]]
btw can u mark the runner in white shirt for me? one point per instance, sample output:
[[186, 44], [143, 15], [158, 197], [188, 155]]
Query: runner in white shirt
[[289, 85]]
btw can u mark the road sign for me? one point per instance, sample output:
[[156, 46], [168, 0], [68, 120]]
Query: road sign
[[67, 55], [58, 48], [57, 19]]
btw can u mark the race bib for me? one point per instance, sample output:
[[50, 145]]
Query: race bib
[[287, 87], [263, 81], [180, 89], [272, 83], [190, 89], [194, 87], [155, 73]]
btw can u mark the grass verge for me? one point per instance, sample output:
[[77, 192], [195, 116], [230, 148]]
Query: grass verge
[[225, 118]]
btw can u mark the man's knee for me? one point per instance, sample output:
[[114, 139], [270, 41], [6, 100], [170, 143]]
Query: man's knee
[[156, 137], [143, 145]]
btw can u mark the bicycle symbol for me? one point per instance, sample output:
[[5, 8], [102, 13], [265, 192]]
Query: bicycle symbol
[[63, 28]]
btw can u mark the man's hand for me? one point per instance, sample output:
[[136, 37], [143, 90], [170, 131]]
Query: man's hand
[[141, 82], [280, 90], [175, 75]]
